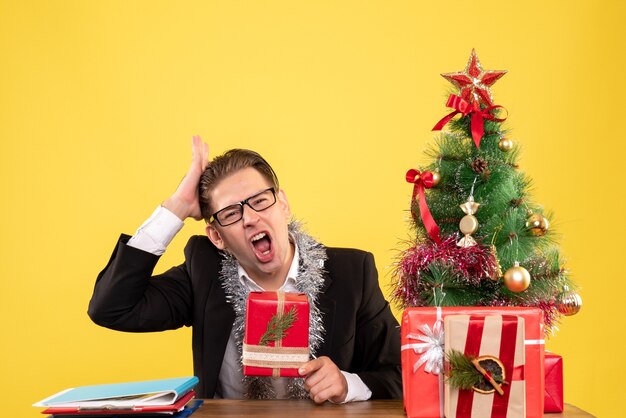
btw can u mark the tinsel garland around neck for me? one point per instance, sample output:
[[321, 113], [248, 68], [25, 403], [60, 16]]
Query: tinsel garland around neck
[[309, 281]]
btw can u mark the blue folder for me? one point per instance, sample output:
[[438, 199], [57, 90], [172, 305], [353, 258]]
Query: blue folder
[[149, 392]]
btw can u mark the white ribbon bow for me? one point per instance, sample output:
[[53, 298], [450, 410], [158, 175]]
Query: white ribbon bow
[[430, 347]]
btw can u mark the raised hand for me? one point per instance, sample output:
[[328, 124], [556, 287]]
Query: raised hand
[[184, 202], [324, 381]]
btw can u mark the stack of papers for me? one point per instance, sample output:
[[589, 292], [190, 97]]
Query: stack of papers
[[163, 398]]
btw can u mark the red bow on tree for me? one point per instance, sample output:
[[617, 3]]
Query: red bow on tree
[[422, 181], [460, 105]]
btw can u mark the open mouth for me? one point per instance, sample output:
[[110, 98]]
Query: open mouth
[[262, 245]]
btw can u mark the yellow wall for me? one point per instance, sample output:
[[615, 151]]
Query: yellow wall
[[99, 99]]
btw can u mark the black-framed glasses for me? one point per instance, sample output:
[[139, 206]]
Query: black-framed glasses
[[233, 213]]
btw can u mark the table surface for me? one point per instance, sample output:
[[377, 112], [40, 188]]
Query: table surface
[[226, 408]]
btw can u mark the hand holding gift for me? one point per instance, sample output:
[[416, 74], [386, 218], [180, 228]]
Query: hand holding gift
[[324, 381]]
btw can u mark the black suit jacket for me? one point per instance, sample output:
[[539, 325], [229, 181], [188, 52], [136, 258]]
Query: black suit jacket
[[361, 334]]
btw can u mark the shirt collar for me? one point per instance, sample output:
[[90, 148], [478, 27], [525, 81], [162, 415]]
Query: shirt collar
[[290, 280]]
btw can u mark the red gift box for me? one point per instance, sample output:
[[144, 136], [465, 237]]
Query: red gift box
[[553, 401], [499, 337], [422, 345], [276, 338]]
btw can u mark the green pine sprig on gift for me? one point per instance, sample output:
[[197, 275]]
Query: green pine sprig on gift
[[463, 375], [278, 326]]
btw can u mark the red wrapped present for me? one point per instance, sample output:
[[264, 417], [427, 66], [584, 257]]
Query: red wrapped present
[[422, 357], [276, 338], [553, 401], [492, 347]]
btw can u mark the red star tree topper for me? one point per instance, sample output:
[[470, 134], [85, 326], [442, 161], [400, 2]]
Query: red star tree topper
[[474, 83]]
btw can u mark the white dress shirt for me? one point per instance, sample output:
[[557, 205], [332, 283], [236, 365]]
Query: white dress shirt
[[155, 234]]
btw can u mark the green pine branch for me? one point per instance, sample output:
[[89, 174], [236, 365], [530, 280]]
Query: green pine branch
[[462, 374], [278, 326]]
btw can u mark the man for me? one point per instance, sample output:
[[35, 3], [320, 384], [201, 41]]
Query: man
[[251, 245]]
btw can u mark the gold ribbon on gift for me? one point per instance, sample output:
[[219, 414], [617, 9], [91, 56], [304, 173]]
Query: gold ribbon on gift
[[275, 357]]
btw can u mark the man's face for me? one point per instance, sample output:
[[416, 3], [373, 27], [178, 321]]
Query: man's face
[[260, 240]]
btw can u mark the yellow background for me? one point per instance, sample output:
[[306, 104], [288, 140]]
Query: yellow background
[[99, 100]]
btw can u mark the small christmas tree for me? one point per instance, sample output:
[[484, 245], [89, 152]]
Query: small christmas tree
[[480, 240]]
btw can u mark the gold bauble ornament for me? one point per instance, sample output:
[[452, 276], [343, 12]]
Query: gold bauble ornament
[[517, 278], [505, 145], [537, 224], [569, 303], [436, 178]]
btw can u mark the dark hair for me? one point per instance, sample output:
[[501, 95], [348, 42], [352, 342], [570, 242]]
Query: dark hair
[[226, 164]]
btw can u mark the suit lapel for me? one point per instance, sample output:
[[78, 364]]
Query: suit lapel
[[218, 321], [327, 308]]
